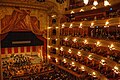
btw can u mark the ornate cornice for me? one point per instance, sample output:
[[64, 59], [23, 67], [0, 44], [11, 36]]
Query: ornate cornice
[[45, 6], [87, 8]]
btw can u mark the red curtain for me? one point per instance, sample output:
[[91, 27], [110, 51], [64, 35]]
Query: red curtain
[[2, 50], [28, 49], [33, 48], [9, 50], [15, 49], [22, 49], [21, 20]]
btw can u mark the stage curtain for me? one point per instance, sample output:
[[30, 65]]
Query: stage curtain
[[21, 20], [2, 50], [45, 45], [9, 50], [28, 48], [15, 49]]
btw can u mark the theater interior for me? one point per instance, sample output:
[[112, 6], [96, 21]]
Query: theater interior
[[60, 39]]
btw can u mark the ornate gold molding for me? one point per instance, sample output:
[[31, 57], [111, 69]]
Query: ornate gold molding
[[45, 6], [86, 8], [112, 21]]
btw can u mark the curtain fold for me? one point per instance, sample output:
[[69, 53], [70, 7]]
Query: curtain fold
[[21, 20]]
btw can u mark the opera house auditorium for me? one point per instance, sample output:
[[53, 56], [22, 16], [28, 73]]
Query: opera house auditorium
[[60, 39]]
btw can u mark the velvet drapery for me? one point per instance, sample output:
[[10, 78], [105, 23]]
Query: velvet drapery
[[19, 20]]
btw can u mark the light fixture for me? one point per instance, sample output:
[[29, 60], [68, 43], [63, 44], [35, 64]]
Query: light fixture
[[61, 49], [92, 24], [119, 25], [106, 3], [49, 27], [71, 25], [70, 51], [103, 62], [72, 12], [49, 57], [85, 41], [93, 8], [49, 46], [73, 64], [56, 48], [66, 39], [64, 60], [111, 47], [80, 25], [48, 38], [116, 70], [79, 53], [85, 2], [95, 3], [106, 24], [53, 16], [98, 44], [56, 27], [63, 25], [81, 10], [94, 74], [74, 40], [56, 60], [82, 67], [89, 57]]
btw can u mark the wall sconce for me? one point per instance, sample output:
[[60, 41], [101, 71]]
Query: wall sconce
[[56, 60], [53, 16], [90, 57], [80, 25], [93, 8], [79, 53], [119, 25], [64, 60], [61, 49], [49, 27], [85, 41], [74, 40], [73, 64], [49, 46], [63, 25], [66, 39], [95, 3], [72, 12], [98, 44], [49, 57], [103, 62], [85, 2], [111, 47], [106, 3], [56, 48], [81, 10], [94, 74], [82, 67], [70, 51], [48, 38], [56, 27], [116, 70], [71, 25]]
